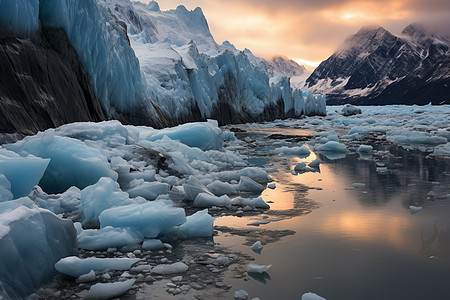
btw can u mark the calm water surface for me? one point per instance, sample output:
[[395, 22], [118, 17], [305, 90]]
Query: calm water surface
[[360, 243]]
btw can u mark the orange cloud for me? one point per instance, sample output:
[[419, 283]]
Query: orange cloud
[[302, 29]]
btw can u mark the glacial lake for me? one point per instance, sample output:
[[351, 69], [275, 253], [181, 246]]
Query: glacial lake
[[352, 241]]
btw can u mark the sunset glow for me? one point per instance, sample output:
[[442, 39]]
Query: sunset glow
[[308, 32]]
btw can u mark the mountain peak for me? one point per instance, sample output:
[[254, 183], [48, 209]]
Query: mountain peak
[[371, 30], [153, 6], [415, 29]]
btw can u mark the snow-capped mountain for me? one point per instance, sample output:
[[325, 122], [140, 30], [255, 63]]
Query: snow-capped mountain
[[373, 59], [280, 65], [145, 66], [283, 66]]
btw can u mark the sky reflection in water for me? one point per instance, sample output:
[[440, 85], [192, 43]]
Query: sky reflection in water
[[362, 243]]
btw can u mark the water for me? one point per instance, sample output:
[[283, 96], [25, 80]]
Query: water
[[355, 243]]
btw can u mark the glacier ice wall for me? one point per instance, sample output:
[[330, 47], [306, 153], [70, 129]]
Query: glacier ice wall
[[185, 72], [102, 47], [20, 16], [161, 68]]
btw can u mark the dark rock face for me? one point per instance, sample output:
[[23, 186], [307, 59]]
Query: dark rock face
[[432, 86], [376, 67], [42, 84]]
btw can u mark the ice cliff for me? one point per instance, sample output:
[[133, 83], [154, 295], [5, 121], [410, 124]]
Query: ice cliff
[[129, 61]]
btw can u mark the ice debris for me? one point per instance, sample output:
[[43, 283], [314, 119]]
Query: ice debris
[[257, 247], [241, 295], [178, 267], [415, 209], [75, 266], [312, 296], [254, 268], [109, 290]]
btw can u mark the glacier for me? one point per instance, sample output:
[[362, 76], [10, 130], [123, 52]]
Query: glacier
[[162, 68]]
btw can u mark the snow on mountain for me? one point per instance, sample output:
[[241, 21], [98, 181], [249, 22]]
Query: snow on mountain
[[189, 76], [374, 59], [145, 66], [280, 65], [177, 27]]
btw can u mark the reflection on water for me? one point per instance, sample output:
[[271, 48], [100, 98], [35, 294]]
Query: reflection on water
[[362, 242]]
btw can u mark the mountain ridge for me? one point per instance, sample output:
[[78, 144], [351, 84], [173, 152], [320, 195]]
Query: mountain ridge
[[373, 59]]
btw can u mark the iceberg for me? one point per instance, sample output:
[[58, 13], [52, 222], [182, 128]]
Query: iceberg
[[178, 267], [108, 237], [103, 195], [109, 290], [20, 174], [32, 240], [72, 162], [312, 296], [149, 219], [75, 267], [207, 200], [254, 268], [200, 224]]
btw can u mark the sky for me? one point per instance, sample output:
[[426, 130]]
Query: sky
[[308, 31]]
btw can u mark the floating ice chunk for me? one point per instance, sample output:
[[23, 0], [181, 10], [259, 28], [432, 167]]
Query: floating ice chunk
[[22, 173], [332, 146], [442, 150], [207, 200], [350, 110], [365, 149], [152, 244], [220, 188], [257, 247], [246, 184], [241, 295], [199, 224], [109, 290], [86, 277], [300, 151], [149, 219], [272, 185], [255, 173], [382, 169], [178, 267], [300, 167], [75, 267], [358, 185], [406, 136], [72, 162], [315, 163], [148, 190], [32, 240], [106, 193], [108, 237], [415, 209], [203, 135], [253, 202], [312, 296], [254, 268]]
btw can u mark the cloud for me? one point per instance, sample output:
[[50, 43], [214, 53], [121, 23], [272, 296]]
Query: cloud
[[309, 30]]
